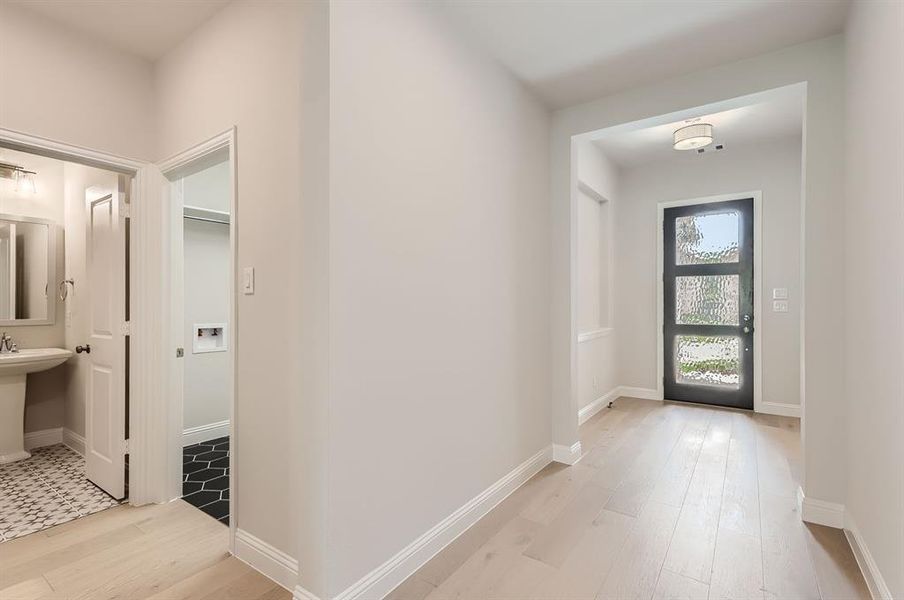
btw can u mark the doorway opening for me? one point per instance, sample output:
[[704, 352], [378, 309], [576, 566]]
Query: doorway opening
[[200, 196], [64, 355], [640, 172]]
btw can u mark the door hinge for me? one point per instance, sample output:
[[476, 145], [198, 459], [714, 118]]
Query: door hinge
[[125, 446], [126, 328], [125, 209]]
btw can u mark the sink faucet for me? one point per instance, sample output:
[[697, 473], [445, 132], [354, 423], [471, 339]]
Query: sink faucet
[[7, 345]]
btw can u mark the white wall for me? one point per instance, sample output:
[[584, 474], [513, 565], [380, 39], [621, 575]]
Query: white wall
[[68, 87], [45, 392], [206, 249], [439, 341], [818, 63], [207, 376], [771, 167], [242, 68], [77, 180], [596, 357], [208, 188], [874, 283]]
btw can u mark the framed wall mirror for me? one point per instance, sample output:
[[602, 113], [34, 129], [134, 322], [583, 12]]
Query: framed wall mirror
[[27, 271]]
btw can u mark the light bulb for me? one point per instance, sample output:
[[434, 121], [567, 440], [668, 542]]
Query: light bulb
[[25, 182]]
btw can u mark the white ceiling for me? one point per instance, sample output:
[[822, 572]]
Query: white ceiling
[[773, 115], [147, 28], [572, 51]]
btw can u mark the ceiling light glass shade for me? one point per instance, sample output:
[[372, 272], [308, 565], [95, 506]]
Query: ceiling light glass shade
[[693, 136], [25, 183]]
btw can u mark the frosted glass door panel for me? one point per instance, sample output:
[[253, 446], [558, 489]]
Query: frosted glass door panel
[[707, 239], [707, 300], [708, 360]]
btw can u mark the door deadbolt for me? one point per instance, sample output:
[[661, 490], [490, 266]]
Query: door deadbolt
[[180, 352]]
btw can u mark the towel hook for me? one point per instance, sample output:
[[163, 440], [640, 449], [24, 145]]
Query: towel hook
[[64, 288]]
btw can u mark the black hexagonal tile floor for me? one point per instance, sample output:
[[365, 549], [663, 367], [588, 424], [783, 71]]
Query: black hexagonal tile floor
[[202, 498], [205, 469], [212, 455], [191, 467], [220, 483], [220, 463], [196, 449], [205, 474]]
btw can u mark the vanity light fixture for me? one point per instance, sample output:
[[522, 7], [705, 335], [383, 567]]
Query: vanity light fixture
[[25, 179], [25, 182], [693, 136]]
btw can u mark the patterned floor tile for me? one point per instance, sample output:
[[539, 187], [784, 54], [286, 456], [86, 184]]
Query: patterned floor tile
[[205, 477], [47, 489]]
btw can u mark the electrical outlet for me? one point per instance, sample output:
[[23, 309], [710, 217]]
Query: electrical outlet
[[780, 306]]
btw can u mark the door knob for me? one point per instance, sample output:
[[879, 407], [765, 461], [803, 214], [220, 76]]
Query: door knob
[[86, 349], [747, 329]]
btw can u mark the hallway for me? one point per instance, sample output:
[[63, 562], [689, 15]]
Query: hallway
[[668, 501], [160, 552]]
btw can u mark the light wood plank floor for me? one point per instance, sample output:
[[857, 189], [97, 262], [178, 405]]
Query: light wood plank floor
[[163, 552], [668, 501]]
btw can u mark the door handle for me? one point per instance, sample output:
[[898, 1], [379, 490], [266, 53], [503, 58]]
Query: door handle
[[86, 349]]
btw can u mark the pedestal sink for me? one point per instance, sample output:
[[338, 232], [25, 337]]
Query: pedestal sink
[[14, 366]]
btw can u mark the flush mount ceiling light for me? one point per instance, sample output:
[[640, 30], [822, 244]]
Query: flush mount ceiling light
[[693, 136], [25, 179]]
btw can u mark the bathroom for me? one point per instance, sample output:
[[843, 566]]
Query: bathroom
[[64, 313], [46, 303]]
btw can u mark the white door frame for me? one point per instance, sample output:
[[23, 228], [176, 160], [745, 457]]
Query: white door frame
[[154, 462], [757, 287], [146, 415], [173, 450]]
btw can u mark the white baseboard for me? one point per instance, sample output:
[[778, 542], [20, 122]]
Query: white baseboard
[[44, 437], [877, 587], [820, 512], [638, 392], [272, 562], [777, 408], [302, 594], [203, 433], [567, 455], [385, 578], [74, 441], [587, 413]]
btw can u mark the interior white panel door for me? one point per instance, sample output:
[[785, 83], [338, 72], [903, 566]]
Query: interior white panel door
[[105, 423]]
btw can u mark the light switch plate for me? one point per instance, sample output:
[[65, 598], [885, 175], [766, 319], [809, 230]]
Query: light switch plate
[[248, 281], [779, 306], [780, 293]]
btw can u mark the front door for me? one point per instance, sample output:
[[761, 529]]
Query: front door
[[708, 315]]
